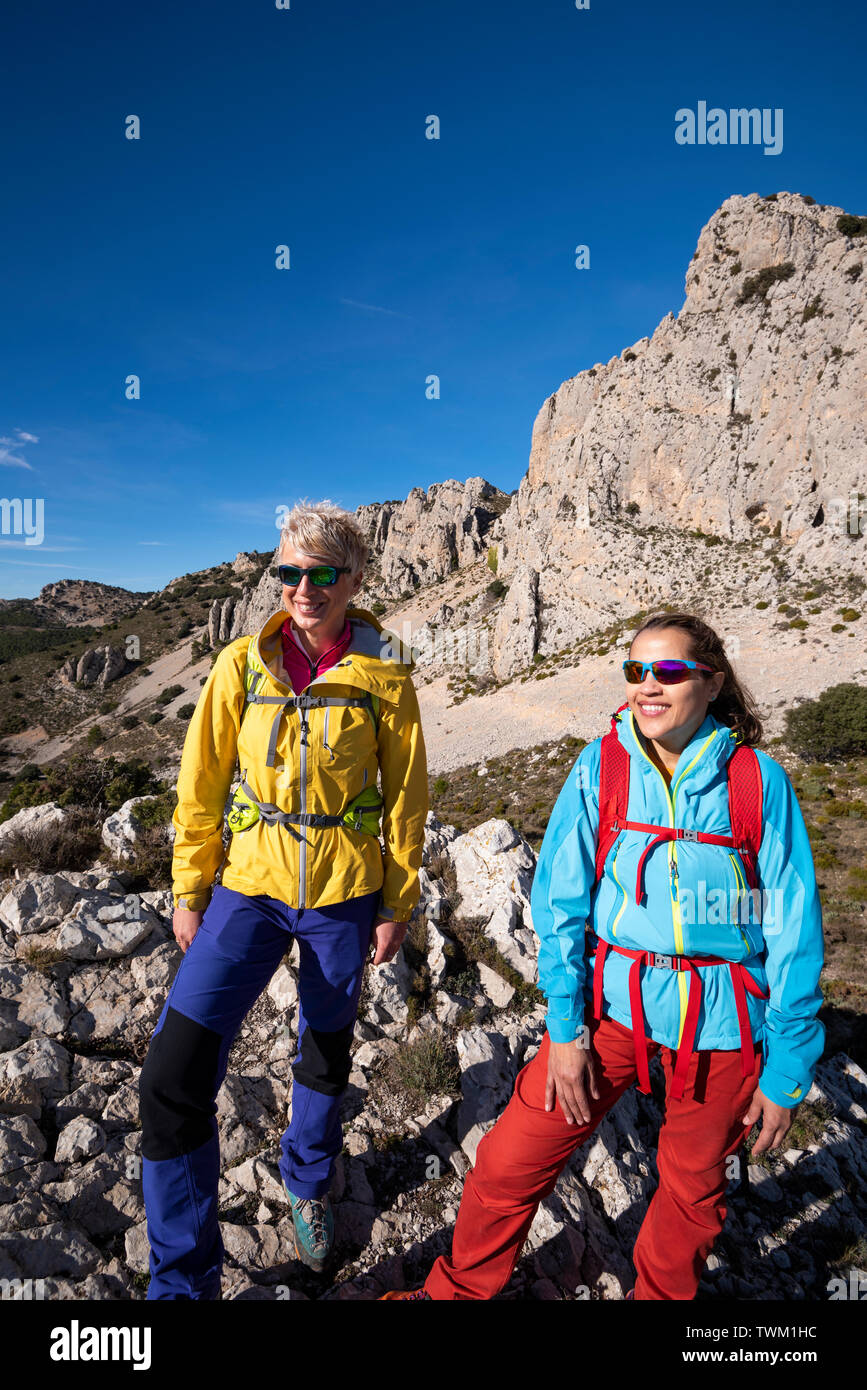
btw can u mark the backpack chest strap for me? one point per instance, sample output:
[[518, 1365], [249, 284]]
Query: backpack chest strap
[[662, 834], [300, 703]]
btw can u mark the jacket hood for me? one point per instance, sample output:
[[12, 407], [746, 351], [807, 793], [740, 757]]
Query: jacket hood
[[709, 749], [376, 660]]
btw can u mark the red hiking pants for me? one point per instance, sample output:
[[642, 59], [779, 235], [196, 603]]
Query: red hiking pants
[[519, 1160]]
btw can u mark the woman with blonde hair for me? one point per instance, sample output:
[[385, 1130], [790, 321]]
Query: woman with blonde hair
[[317, 707], [683, 853]]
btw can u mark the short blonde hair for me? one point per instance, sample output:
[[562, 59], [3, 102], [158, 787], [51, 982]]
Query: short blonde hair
[[323, 528]]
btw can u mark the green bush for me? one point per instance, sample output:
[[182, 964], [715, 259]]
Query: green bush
[[155, 716], [170, 693], [425, 1068], [757, 286], [492, 558], [830, 728], [185, 712], [97, 785], [852, 226], [497, 588]]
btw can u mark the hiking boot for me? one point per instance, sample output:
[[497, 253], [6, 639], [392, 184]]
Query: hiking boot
[[313, 1222], [407, 1293]]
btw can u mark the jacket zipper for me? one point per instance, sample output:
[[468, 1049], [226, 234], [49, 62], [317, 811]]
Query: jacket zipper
[[620, 886], [676, 920], [325, 743], [741, 889], [302, 846], [304, 730]]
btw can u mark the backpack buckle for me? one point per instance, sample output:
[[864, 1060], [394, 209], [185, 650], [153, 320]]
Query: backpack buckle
[[663, 962], [689, 835]]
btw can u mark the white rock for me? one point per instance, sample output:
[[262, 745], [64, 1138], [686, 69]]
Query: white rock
[[32, 819], [122, 828], [81, 1138], [498, 990]]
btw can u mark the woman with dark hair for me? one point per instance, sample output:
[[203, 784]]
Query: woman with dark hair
[[676, 904]]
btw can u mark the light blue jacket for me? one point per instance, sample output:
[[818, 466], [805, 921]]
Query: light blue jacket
[[697, 903]]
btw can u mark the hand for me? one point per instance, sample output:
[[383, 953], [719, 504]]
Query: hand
[[570, 1068], [185, 924], [776, 1120], [388, 939]]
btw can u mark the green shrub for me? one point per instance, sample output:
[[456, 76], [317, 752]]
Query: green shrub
[[129, 721], [170, 693], [425, 1068], [852, 226], [185, 712], [832, 727], [72, 844], [497, 588], [492, 558], [95, 735], [757, 286], [155, 716], [763, 603], [850, 615]]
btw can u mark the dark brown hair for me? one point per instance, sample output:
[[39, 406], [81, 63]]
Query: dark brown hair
[[734, 705]]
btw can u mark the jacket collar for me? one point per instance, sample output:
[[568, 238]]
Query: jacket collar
[[709, 749], [376, 660]]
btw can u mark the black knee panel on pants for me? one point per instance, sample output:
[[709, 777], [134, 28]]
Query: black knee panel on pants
[[176, 1087], [324, 1061]]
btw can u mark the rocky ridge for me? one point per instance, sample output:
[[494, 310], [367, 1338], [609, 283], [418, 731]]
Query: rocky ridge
[[85, 964]]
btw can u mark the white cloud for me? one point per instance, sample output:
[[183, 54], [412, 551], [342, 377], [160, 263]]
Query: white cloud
[[375, 308], [8, 458]]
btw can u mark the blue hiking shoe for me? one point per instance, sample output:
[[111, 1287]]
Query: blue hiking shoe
[[313, 1221]]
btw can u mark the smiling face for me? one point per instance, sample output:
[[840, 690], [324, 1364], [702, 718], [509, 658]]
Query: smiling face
[[670, 714], [318, 614]]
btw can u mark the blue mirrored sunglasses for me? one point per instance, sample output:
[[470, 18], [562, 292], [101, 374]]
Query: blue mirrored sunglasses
[[666, 672]]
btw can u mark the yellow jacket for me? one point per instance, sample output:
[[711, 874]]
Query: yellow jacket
[[327, 864]]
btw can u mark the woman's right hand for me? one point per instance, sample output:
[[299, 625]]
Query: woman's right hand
[[185, 924], [570, 1069]]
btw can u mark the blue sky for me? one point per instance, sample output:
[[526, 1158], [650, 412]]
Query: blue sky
[[408, 256]]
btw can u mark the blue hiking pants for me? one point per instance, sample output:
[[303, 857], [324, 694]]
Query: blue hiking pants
[[233, 955]]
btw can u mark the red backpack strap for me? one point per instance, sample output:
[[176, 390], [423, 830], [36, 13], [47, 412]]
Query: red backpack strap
[[613, 792], [745, 808]]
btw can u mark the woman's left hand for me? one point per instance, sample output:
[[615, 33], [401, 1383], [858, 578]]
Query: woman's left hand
[[388, 939], [775, 1119]]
